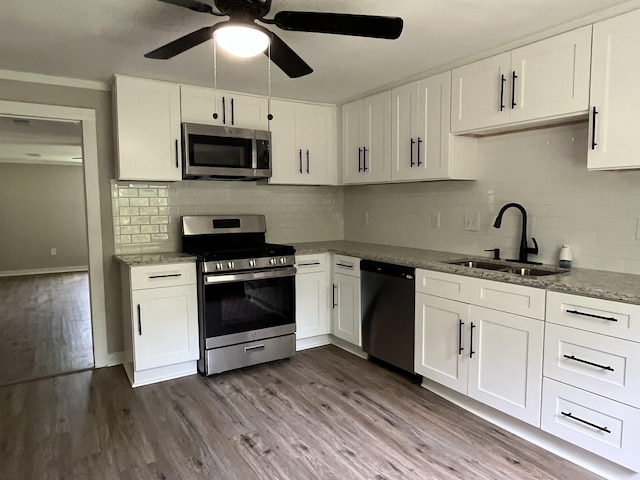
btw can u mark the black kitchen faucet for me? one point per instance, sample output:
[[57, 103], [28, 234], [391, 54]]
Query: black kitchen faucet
[[524, 250]]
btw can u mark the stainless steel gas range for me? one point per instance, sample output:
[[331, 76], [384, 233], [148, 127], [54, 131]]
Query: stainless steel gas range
[[246, 291]]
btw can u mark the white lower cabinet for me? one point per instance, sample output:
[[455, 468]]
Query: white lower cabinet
[[492, 356], [160, 312], [312, 288], [345, 297]]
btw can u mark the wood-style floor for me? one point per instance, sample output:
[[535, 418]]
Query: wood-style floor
[[45, 326], [324, 414]]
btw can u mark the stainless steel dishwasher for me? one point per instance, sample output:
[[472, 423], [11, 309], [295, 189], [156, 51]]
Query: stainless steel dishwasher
[[388, 312]]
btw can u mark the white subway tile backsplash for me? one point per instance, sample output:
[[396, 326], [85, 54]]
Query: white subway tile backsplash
[[138, 202]]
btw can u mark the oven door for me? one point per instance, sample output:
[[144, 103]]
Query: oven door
[[240, 307]]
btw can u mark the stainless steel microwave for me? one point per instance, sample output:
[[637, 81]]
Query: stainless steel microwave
[[218, 152]]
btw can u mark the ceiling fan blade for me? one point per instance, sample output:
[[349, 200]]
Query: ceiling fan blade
[[340, 24], [286, 59], [192, 5], [183, 44]]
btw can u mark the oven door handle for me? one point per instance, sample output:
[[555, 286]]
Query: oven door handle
[[241, 277]]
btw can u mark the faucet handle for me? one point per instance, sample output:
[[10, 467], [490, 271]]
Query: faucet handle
[[533, 250], [496, 253]]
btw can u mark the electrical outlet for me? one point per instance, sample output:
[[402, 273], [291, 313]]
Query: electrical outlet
[[637, 228], [366, 218], [435, 220], [472, 222], [54, 251]]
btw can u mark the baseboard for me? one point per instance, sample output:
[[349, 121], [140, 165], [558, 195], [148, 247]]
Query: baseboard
[[349, 347], [573, 454], [313, 342], [42, 271]]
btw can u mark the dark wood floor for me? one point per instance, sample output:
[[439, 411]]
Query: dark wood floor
[[45, 326], [325, 414]]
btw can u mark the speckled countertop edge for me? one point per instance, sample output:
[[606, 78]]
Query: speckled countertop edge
[[148, 259], [621, 287]]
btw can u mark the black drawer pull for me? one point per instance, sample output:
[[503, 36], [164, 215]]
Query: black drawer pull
[[177, 156], [169, 275], [471, 352], [310, 264], [576, 312], [602, 429], [344, 265], [460, 347], [571, 357], [334, 302], [139, 321]]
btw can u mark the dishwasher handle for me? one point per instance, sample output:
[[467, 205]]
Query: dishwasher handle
[[388, 269]]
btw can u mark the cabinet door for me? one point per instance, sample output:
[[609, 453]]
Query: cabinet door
[[303, 144], [441, 348], [480, 94], [615, 96], [352, 143], [346, 308], [505, 365], [376, 135], [434, 126], [404, 131], [552, 76], [165, 326], [246, 111], [311, 304], [147, 119], [200, 105]]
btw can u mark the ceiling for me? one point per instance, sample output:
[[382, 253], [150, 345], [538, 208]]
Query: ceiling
[[93, 39], [32, 141]]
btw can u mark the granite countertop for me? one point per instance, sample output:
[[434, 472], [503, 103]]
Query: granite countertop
[[620, 287], [147, 259]]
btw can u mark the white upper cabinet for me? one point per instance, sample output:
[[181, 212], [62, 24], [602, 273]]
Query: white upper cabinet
[[537, 83], [303, 139], [615, 96], [366, 140], [147, 129], [422, 145], [207, 106]]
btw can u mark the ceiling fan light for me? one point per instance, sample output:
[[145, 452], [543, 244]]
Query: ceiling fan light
[[242, 41]]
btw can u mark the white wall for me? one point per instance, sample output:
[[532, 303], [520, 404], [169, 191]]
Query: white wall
[[544, 170], [147, 216], [42, 207]]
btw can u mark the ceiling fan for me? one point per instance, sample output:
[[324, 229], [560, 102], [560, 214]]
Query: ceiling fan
[[243, 14]]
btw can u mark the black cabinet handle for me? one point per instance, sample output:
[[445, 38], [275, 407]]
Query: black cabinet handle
[[471, 352], [419, 142], [177, 155], [460, 347], [502, 82], [334, 303], [168, 275], [576, 359], [307, 161], [139, 321], [232, 112], [602, 429], [359, 159], [513, 89], [411, 151], [300, 157], [224, 112], [576, 312], [364, 159], [593, 129]]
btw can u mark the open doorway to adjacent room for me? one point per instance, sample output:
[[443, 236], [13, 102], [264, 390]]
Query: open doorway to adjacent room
[[45, 314]]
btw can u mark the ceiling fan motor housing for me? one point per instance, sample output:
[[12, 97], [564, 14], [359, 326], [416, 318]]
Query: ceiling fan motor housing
[[251, 9]]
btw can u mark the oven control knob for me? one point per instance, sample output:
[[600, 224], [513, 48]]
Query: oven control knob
[[252, 263], [218, 266], [230, 265], [283, 260], [272, 261]]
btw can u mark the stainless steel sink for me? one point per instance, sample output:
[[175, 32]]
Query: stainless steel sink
[[504, 267]]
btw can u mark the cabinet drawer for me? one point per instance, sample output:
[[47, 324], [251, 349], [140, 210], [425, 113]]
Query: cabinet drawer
[[311, 263], [346, 265], [446, 285], [169, 275], [621, 320], [604, 365], [518, 299], [597, 424]]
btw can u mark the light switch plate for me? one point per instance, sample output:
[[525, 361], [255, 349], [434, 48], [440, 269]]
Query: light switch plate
[[435, 220], [472, 222]]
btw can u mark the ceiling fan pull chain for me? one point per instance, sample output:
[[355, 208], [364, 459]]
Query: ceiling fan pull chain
[[269, 116], [215, 74]]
